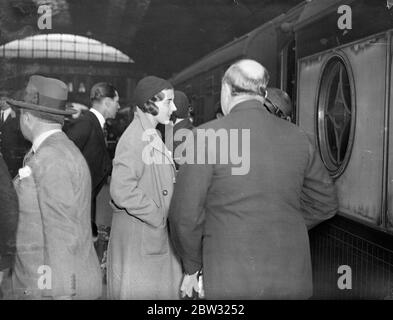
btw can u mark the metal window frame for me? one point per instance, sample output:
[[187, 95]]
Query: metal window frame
[[323, 146]]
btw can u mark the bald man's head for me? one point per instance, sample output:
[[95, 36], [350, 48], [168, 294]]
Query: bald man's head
[[246, 77]]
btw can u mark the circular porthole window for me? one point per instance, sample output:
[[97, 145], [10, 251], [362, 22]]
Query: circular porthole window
[[336, 115]]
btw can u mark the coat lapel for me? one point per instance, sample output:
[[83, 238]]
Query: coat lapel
[[11, 116], [155, 141], [30, 156], [185, 124], [93, 119]]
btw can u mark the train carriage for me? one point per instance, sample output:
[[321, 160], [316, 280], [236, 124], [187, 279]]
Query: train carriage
[[271, 43], [339, 76]]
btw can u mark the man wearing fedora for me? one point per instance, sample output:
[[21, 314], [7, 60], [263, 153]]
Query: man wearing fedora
[[279, 103], [55, 257]]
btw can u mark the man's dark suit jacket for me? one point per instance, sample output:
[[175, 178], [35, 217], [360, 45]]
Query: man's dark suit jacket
[[87, 134], [8, 217], [250, 228], [185, 124], [13, 145]]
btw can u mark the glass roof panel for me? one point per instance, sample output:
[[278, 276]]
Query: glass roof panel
[[65, 46]]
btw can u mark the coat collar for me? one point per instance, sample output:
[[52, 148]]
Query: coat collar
[[93, 118], [99, 116], [11, 115], [42, 137], [96, 123], [248, 104], [155, 140], [51, 138], [185, 123]]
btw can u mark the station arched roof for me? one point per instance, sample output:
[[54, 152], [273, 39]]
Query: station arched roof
[[162, 36], [62, 46]]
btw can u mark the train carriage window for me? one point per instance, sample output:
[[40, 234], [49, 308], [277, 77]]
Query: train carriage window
[[336, 116]]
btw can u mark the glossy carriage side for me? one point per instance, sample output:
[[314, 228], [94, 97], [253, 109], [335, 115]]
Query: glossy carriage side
[[361, 236]]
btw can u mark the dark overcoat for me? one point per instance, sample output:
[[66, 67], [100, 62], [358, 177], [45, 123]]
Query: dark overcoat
[[87, 134], [8, 217], [13, 145], [248, 228]]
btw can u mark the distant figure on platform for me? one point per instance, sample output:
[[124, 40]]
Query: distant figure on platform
[[279, 103], [8, 221], [55, 254], [88, 135], [248, 230], [181, 121], [13, 145], [141, 262]]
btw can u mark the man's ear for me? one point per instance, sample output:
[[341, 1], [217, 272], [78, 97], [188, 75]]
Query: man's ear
[[226, 88], [26, 118], [29, 117], [107, 102]]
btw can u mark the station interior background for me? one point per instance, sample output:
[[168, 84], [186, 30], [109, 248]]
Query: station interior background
[[118, 41]]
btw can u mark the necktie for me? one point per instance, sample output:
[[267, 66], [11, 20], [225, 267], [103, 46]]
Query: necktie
[[28, 156], [2, 117]]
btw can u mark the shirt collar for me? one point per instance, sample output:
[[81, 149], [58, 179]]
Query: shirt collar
[[179, 120], [248, 104], [99, 116], [6, 113], [41, 138]]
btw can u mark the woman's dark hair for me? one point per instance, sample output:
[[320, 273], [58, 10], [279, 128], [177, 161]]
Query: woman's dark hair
[[102, 90], [150, 107]]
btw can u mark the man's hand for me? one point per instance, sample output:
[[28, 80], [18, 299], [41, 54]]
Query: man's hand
[[201, 292], [191, 283]]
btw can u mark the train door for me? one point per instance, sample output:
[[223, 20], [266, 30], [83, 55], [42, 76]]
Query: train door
[[388, 219]]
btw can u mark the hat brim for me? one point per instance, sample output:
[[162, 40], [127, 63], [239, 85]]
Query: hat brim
[[36, 107]]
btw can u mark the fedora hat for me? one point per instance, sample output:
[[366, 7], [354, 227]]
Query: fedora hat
[[46, 95], [278, 101]]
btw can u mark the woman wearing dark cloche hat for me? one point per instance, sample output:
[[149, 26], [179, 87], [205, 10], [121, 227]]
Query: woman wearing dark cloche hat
[[141, 262]]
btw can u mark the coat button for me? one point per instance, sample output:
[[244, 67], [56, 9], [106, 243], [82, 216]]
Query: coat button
[[165, 192]]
